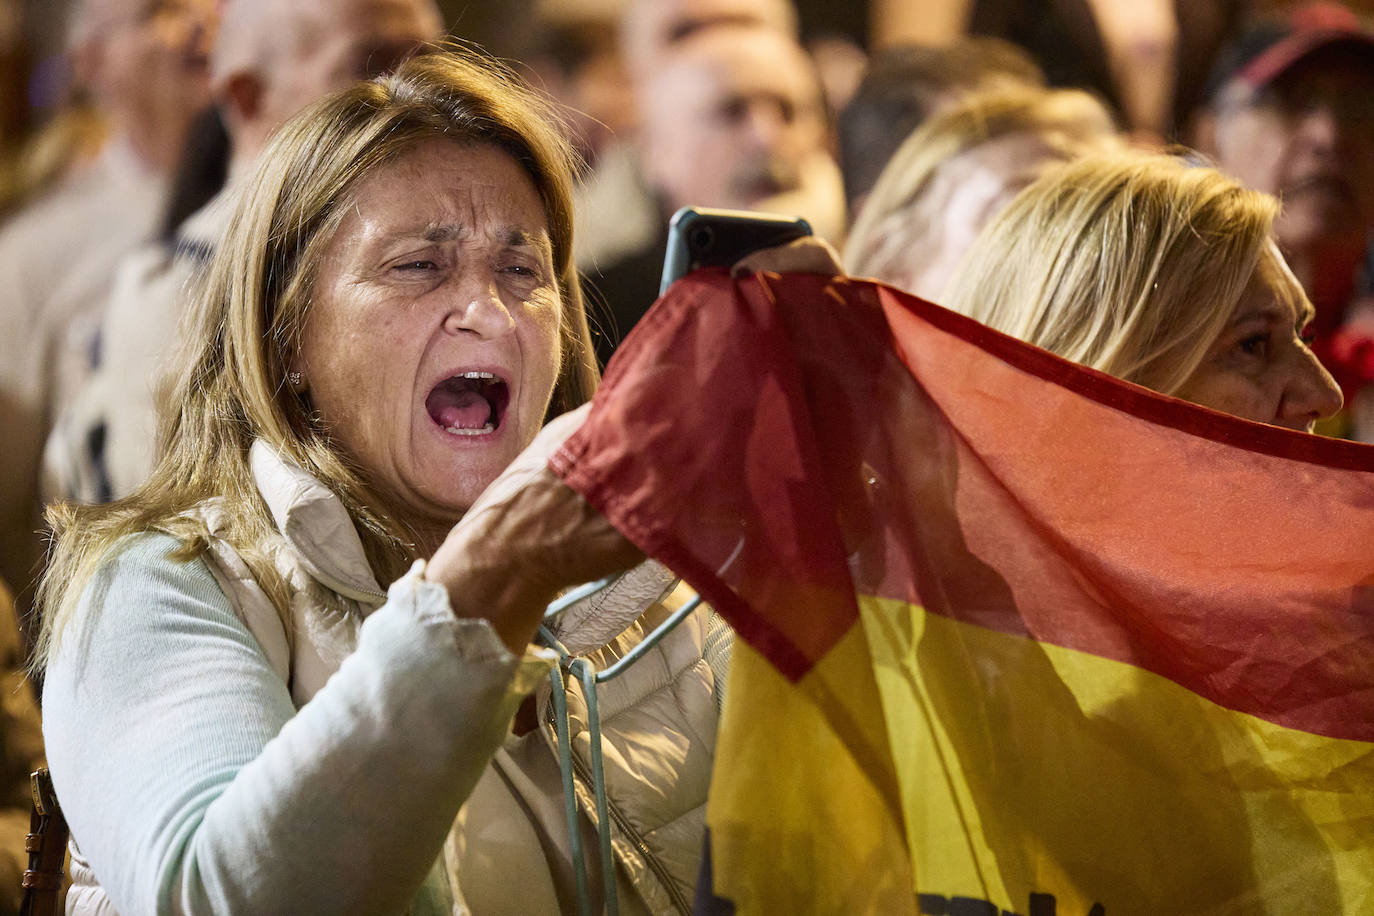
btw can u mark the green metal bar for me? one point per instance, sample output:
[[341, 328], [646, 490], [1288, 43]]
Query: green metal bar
[[654, 638], [565, 767], [546, 635], [587, 673], [590, 678]]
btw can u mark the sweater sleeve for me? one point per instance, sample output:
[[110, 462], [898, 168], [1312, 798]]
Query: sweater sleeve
[[192, 785]]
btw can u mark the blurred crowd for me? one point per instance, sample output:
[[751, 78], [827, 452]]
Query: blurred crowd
[[897, 128]]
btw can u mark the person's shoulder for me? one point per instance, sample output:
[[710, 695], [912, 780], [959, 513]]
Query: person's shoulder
[[143, 293], [47, 215], [88, 210], [40, 243], [147, 568], [141, 593], [148, 549]]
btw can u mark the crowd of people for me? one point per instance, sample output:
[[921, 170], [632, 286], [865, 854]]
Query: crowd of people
[[288, 316]]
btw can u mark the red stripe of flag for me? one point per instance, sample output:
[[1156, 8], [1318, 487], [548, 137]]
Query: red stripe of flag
[[789, 441]]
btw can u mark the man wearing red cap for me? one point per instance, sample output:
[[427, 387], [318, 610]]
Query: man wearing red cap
[[1291, 112]]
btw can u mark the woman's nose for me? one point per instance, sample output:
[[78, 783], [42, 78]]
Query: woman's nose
[[1311, 393], [477, 308]]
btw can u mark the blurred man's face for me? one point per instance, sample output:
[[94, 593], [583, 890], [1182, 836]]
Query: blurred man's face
[[730, 119], [339, 42], [651, 28], [1309, 139], [152, 62]]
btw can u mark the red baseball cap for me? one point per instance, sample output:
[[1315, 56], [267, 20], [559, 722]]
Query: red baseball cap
[[1268, 50]]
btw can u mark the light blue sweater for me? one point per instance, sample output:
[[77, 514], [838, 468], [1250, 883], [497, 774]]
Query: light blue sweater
[[192, 785]]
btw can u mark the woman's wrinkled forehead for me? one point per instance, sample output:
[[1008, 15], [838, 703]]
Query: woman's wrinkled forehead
[[440, 190]]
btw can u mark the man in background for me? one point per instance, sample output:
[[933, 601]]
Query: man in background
[[616, 213], [144, 66], [733, 117], [1291, 113]]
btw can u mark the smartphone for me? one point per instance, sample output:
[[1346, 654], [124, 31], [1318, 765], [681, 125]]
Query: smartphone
[[702, 237]]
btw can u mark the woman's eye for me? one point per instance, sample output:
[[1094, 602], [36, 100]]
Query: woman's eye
[[520, 270], [417, 265], [1255, 345]]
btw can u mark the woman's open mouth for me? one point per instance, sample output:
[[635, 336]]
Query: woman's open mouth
[[469, 404]]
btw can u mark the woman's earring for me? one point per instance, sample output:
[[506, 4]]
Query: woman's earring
[[294, 379]]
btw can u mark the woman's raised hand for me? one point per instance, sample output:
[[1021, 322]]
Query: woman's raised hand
[[526, 537]]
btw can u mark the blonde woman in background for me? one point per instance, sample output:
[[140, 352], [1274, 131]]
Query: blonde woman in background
[[1157, 272], [956, 171]]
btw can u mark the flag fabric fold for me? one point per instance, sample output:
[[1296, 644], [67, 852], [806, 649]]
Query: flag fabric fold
[[1016, 637]]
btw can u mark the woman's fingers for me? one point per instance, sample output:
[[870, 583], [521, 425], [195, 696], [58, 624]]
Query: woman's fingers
[[807, 255]]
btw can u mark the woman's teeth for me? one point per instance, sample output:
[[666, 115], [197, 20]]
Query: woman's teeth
[[459, 431], [469, 431]]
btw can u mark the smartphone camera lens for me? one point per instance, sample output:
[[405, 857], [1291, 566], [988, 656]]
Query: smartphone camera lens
[[701, 238]]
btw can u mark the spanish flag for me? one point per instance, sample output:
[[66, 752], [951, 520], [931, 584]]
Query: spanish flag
[[1015, 637]]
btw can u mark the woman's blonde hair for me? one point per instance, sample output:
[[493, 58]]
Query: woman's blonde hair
[[1131, 263], [249, 310], [891, 223]]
